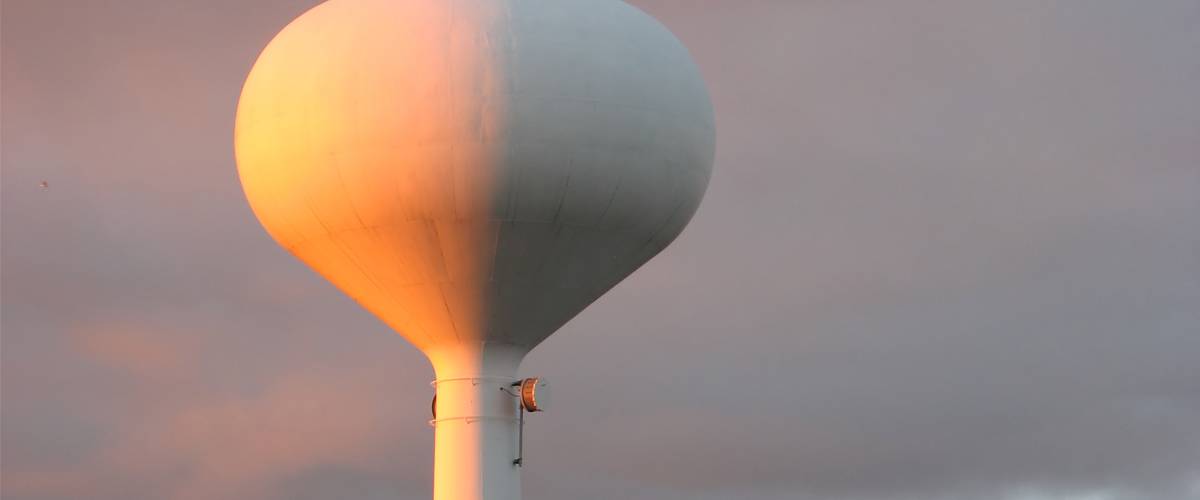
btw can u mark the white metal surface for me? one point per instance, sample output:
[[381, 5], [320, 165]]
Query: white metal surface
[[474, 173], [475, 440]]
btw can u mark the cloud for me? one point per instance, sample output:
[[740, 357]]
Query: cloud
[[138, 351], [225, 448], [188, 442]]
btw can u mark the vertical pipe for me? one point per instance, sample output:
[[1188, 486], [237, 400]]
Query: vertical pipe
[[475, 437]]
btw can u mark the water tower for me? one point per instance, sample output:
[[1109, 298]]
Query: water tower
[[475, 173]]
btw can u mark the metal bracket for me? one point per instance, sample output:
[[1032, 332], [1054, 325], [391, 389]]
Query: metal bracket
[[520, 460]]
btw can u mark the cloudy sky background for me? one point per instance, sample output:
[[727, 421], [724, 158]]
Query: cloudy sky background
[[951, 250]]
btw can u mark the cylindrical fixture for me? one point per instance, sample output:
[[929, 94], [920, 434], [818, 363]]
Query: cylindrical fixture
[[533, 394], [476, 428]]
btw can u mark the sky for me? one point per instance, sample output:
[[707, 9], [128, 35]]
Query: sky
[[950, 250]]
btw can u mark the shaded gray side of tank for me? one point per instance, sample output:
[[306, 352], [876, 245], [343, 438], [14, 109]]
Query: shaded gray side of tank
[[609, 150]]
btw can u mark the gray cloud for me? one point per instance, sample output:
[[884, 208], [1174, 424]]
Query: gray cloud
[[950, 251]]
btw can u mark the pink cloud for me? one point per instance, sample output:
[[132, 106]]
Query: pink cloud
[[139, 350], [197, 442], [230, 447]]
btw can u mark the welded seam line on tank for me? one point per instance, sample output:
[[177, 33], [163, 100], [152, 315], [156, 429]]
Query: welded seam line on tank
[[542, 262], [510, 213], [475, 380], [329, 236], [402, 261], [611, 198], [395, 300], [495, 251], [665, 224], [565, 189], [472, 419], [303, 241], [342, 181], [437, 238], [446, 305], [506, 219], [349, 255], [558, 232], [612, 104]]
